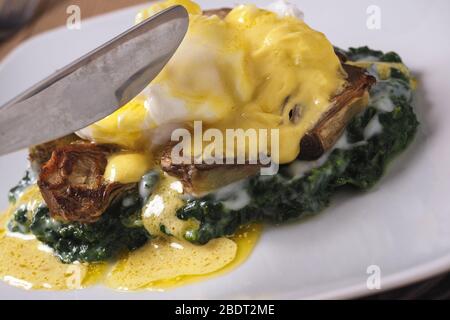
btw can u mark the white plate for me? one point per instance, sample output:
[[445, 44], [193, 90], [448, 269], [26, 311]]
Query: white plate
[[402, 225]]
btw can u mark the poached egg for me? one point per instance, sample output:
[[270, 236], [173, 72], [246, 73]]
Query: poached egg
[[252, 69]]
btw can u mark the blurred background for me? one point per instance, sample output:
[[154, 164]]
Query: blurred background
[[22, 19]]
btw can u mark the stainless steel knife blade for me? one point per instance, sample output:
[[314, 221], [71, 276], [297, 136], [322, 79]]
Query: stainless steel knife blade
[[93, 86]]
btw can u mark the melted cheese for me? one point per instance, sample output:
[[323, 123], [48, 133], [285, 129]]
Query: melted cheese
[[249, 70]]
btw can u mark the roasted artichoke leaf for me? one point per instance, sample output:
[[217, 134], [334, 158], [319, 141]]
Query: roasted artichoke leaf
[[345, 106], [41, 153], [199, 179], [72, 182]]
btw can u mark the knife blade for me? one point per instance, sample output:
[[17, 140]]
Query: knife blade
[[93, 86]]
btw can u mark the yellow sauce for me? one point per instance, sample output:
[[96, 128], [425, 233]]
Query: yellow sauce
[[250, 70], [163, 263], [161, 208], [246, 239], [383, 68], [166, 263], [127, 167], [27, 263]]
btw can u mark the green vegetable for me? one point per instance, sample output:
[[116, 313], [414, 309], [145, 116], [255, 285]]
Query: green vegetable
[[148, 183], [20, 221], [119, 229], [164, 230], [365, 53], [28, 179], [356, 128], [279, 198]]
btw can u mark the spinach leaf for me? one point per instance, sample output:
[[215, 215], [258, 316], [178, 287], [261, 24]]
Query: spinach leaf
[[28, 179], [20, 221], [118, 229], [365, 53]]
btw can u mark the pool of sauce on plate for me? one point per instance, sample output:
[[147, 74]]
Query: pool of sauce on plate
[[163, 263]]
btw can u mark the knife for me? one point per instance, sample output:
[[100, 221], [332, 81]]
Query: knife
[[93, 86]]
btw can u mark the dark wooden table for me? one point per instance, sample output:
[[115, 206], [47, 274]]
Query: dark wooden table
[[52, 13]]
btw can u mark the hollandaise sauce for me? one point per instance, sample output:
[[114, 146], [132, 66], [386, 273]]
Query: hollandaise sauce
[[253, 69], [164, 262], [27, 263]]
